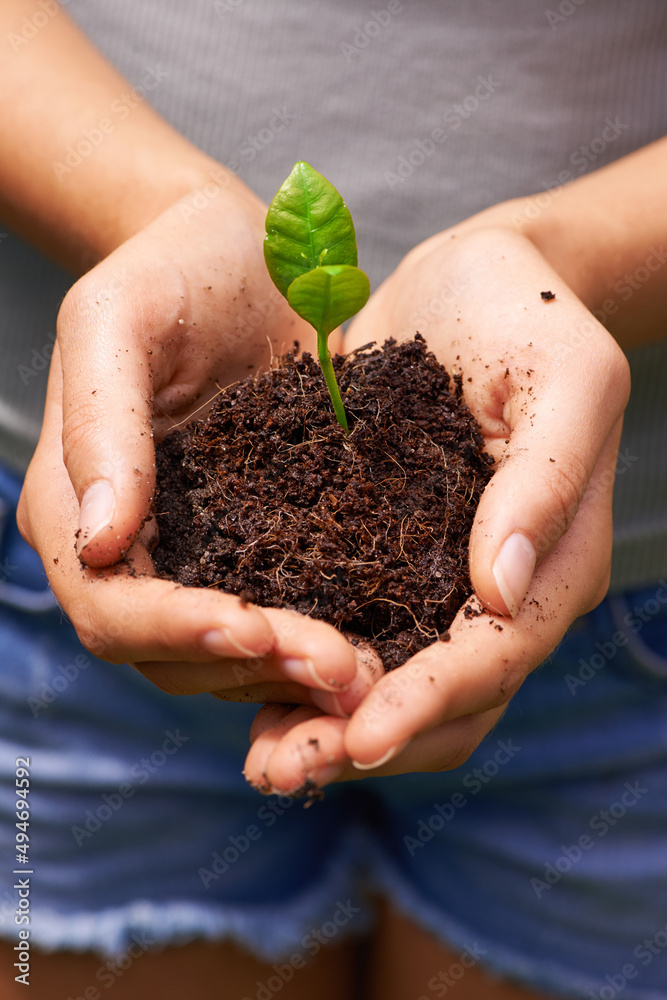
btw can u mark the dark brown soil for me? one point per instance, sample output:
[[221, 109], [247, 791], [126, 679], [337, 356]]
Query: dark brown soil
[[267, 498]]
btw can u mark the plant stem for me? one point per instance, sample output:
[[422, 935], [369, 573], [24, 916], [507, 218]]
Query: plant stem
[[330, 379]]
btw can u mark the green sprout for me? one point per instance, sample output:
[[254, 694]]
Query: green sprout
[[311, 253]]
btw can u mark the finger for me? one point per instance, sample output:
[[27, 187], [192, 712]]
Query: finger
[[226, 679], [312, 652], [268, 716], [343, 703], [259, 678], [298, 655], [306, 652], [105, 327], [487, 659], [298, 752], [308, 749], [189, 640], [287, 695], [262, 679], [528, 506], [443, 748]]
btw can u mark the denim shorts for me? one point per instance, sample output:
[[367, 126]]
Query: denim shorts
[[543, 858]]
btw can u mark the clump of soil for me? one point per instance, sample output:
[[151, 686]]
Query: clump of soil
[[268, 499]]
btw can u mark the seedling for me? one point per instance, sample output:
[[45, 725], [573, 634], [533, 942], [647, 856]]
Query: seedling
[[311, 253]]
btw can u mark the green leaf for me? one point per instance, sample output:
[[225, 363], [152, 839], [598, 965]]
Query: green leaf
[[308, 225], [327, 296]]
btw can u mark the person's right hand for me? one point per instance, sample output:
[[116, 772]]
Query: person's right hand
[[143, 339]]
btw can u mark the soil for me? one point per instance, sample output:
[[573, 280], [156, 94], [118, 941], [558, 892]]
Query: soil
[[267, 498]]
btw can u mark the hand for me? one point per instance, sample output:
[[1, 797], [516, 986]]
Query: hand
[[548, 385], [143, 340]]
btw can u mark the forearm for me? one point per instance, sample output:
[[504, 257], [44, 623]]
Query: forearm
[[57, 92], [605, 234]]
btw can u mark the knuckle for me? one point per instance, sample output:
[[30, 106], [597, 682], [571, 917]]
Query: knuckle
[[598, 590], [23, 515], [74, 307], [99, 631], [618, 372], [89, 630], [68, 310], [80, 428], [565, 487], [92, 292], [512, 677], [568, 483]]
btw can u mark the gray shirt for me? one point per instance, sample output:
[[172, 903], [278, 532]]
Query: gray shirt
[[422, 112]]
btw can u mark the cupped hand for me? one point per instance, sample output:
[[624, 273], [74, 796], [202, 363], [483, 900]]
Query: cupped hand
[[144, 339], [548, 386]]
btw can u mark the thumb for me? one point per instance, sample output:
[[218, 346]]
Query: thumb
[[107, 420], [562, 445]]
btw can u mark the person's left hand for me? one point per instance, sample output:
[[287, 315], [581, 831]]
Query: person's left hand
[[548, 386]]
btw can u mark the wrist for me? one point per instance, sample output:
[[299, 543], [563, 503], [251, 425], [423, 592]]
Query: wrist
[[604, 235], [577, 244], [147, 189], [578, 260]]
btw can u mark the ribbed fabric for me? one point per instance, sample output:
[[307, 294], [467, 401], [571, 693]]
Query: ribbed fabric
[[259, 85]]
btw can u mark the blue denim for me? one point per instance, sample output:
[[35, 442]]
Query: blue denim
[[543, 857]]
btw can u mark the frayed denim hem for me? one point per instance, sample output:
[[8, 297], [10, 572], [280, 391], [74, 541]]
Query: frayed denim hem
[[331, 911]]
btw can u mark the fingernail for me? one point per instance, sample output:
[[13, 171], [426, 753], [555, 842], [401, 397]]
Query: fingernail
[[329, 703], [303, 672], [391, 752], [513, 570], [218, 641], [97, 510], [221, 641]]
